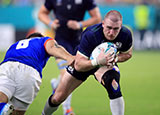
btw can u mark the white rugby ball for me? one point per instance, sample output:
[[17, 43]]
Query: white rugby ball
[[107, 46]]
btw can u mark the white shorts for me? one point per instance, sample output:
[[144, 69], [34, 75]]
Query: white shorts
[[20, 81]]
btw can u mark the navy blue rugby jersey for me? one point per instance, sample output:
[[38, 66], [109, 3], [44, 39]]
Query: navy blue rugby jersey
[[30, 52], [93, 36], [65, 10]]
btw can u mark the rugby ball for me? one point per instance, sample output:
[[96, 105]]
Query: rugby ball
[[108, 48]]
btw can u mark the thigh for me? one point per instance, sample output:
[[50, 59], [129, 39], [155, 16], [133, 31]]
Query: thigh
[[7, 84], [27, 83], [100, 72]]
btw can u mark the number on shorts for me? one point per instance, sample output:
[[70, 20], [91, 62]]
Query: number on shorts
[[23, 44]]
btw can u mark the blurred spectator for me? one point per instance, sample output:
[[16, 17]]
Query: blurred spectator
[[141, 18]]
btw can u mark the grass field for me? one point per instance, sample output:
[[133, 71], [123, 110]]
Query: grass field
[[140, 79]]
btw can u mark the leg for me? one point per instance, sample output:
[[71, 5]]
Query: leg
[[67, 84], [5, 108], [54, 83], [110, 80], [3, 98]]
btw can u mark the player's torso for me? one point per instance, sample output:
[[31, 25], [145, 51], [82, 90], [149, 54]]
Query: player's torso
[[30, 52]]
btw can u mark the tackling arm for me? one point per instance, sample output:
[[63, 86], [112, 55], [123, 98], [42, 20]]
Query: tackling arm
[[53, 49]]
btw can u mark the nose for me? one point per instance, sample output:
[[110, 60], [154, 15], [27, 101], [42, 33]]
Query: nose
[[111, 31]]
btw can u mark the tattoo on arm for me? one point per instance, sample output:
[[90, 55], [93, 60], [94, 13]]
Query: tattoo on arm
[[56, 45]]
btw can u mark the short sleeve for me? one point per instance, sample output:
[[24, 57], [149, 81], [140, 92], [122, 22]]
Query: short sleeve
[[48, 4]]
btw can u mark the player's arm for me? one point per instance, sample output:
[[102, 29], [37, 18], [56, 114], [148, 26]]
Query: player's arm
[[124, 56], [53, 49], [95, 17], [82, 63], [43, 16]]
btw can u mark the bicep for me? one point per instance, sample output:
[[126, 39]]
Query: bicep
[[50, 47]]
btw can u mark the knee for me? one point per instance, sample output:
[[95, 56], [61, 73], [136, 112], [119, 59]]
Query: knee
[[110, 80], [3, 98]]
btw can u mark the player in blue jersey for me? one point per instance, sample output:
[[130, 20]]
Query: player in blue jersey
[[21, 71], [110, 30], [68, 24]]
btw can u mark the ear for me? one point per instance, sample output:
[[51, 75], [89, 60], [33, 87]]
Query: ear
[[103, 23]]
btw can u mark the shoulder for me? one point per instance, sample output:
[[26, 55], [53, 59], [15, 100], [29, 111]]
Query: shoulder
[[125, 30]]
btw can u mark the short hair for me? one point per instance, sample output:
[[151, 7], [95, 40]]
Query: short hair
[[36, 34], [114, 15]]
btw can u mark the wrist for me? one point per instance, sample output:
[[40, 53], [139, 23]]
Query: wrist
[[94, 62], [50, 24], [80, 25]]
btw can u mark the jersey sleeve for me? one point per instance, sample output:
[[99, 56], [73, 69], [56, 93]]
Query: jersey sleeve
[[46, 40], [48, 4], [90, 4], [129, 42]]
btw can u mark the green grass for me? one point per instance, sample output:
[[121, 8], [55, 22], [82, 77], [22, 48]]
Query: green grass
[[140, 79]]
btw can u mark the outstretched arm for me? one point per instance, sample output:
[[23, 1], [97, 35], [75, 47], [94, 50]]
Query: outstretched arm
[[53, 49]]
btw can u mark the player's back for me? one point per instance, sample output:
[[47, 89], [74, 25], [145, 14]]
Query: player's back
[[30, 52]]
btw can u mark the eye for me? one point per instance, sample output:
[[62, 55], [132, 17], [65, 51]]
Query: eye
[[116, 28]]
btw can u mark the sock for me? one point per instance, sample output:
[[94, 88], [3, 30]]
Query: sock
[[2, 106], [49, 107], [67, 104], [117, 106]]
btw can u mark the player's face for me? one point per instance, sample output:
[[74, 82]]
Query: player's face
[[111, 29]]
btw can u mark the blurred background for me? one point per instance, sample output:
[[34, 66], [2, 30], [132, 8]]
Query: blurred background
[[141, 75], [19, 17]]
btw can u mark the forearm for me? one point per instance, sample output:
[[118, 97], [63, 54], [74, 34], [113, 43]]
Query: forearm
[[82, 63], [60, 52], [83, 66], [122, 57]]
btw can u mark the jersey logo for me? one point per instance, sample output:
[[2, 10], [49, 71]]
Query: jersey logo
[[119, 45], [78, 1], [69, 6], [71, 69]]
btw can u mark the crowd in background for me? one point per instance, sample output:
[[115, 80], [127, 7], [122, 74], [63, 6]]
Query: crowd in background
[[32, 2], [144, 34]]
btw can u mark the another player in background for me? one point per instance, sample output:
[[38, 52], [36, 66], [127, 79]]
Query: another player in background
[[21, 71], [68, 25], [110, 30]]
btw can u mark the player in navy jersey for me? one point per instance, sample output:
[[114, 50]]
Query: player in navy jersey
[[21, 71], [68, 25], [110, 30]]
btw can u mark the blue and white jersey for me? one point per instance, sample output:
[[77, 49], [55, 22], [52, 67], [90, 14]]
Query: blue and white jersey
[[93, 36], [30, 52]]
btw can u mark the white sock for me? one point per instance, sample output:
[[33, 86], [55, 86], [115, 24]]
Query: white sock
[[67, 103], [117, 106]]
